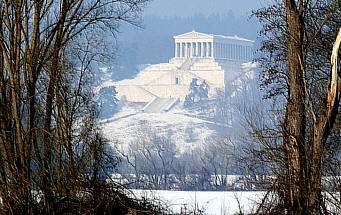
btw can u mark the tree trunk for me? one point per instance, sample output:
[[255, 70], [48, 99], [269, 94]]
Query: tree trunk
[[294, 122], [303, 158]]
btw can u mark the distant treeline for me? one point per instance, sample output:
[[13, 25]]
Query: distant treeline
[[193, 182]]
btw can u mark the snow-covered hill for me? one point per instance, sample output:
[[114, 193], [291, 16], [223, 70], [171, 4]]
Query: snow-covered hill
[[187, 128]]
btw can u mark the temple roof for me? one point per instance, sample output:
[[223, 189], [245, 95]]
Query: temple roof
[[197, 35], [193, 34]]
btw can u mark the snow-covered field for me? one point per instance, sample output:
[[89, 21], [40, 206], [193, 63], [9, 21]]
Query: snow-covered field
[[212, 203]]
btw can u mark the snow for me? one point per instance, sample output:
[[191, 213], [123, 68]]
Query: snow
[[129, 82], [126, 125], [187, 129], [103, 69], [242, 83], [212, 203]]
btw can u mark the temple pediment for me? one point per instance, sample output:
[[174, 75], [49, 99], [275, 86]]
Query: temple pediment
[[194, 35]]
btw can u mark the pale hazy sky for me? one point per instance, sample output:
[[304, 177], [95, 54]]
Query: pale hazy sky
[[184, 8]]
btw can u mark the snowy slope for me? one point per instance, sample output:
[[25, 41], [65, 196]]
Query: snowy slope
[[186, 128], [182, 127]]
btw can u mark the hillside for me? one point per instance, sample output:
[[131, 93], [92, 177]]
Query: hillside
[[187, 128]]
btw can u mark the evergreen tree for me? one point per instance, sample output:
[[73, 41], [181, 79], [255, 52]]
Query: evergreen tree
[[108, 101], [198, 92]]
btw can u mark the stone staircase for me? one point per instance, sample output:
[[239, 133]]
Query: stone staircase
[[158, 105], [206, 65], [188, 64]]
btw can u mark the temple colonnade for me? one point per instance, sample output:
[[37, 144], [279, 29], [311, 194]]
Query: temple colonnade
[[217, 50], [198, 45], [193, 49]]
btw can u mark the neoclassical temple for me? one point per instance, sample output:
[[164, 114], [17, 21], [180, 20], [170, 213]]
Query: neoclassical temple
[[199, 45], [214, 58]]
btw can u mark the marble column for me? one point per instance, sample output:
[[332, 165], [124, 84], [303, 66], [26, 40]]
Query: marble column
[[196, 49], [181, 49], [237, 52], [217, 50], [204, 49], [176, 50], [192, 50], [221, 54], [188, 50], [241, 52], [201, 49], [234, 52], [180, 54], [206, 54], [229, 55], [231, 51], [225, 51], [249, 53], [185, 50], [222, 50]]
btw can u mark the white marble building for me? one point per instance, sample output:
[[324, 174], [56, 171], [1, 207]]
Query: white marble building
[[214, 58], [199, 45]]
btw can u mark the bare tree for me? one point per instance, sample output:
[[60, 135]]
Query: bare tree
[[43, 97], [151, 155], [217, 157], [300, 73]]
